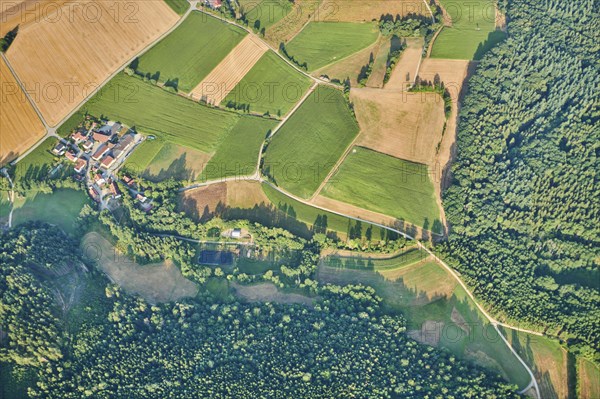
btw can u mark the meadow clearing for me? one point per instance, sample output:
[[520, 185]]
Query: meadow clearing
[[471, 30], [388, 185], [322, 43], [360, 11], [230, 71], [404, 73], [154, 111], [350, 67], [547, 359], [401, 124], [60, 208], [268, 292], [270, 86], [176, 161], [62, 57], [437, 309], [20, 126], [303, 152], [189, 53], [37, 164], [237, 154], [158, 282], [262, 14]]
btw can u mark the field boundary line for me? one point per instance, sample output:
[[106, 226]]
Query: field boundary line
[[377, 41], [336, 166]]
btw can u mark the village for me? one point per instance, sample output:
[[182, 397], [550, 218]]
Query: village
[[97, 149]]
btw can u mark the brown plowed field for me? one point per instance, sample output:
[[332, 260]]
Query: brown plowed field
[[407, 65], [230, 71], [401, 124], [359, 11], [61, 58], [20, 126]]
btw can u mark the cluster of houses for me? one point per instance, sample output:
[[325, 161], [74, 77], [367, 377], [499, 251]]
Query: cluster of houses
[[94, 151]]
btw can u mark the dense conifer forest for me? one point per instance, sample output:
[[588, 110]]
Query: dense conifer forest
[[523, 206]]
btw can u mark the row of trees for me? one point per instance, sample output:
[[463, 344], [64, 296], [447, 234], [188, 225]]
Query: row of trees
[[523, 208]]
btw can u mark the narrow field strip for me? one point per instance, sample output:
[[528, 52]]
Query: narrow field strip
[[223, 79]]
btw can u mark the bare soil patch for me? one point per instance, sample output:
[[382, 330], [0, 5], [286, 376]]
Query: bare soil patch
[[407, 66], [159, 282], [268, 292], [61, 58], [230, 71], [401, 124], [20, 126], [360, 11], [429, 334]]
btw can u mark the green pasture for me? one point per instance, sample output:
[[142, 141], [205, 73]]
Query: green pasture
[[322, 43], [303, 152], [472, 33], [190, 52], [261, 14], [272, 86], [387, 185]]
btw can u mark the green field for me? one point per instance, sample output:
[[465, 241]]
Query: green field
[[144, 153], [261, 14], [472, 32], [38, 163], [191, 51], [237, 155], [309, 215], [270, 86], [177, 162], [412, 294], [387, 185], [588, 379], [154, 111], [305, 149], [321, 43], [61, 208], [179, 6]]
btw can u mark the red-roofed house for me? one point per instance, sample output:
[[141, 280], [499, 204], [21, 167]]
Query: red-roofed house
[[70, 156], [107, 162], [79, 137], [88, 145], [101, 138], [114, 190], [80, 165], [103, 149]]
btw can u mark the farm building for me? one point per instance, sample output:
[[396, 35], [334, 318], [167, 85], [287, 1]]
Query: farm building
[[236, 233], [103, 149], [70, 156], [123, 145], [101, 137], [114, 190], [214, 4]]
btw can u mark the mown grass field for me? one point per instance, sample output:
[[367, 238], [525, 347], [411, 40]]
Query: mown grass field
[[176, 161], [322, 43], [154, 111], [144, 153], [38, 163], [262, 14], [305, 149], [237, 154], [61, 208], [438, 310], [309, 215], [473, 31], [387, 185], [179, 6], [191, 51], [271, 86]]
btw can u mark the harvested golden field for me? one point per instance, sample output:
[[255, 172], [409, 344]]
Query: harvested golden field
[[63, 57], [230, 71], [401, 124], [236, 194], [303, 11], [350, 67], [23, 12], [406, 68], [20, 126], [160, 282], [359, 11]]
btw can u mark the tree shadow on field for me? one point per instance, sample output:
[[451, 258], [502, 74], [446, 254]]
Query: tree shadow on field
[[177, 169], [493, 38]]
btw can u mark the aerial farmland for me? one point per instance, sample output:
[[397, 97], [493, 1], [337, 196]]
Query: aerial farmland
[[194, 195]]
